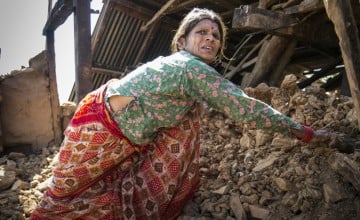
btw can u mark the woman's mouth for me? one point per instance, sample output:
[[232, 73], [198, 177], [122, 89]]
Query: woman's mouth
[[208, 48]]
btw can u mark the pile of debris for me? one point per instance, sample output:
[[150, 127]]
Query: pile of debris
[[245, 173]]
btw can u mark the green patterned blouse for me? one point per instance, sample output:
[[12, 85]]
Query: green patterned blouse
[[166, 88]]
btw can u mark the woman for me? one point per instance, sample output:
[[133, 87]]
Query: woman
[[131, 150]]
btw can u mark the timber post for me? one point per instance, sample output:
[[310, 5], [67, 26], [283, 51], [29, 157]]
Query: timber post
[[82, 34], [340, 13]]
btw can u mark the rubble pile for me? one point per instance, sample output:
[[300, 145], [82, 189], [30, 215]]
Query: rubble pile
[[245, 173]]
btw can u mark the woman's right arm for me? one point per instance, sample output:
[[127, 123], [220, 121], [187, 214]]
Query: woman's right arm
[[204, 84]]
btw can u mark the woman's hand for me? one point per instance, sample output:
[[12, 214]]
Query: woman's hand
[[326, 138], [323, 136], [341, 142]]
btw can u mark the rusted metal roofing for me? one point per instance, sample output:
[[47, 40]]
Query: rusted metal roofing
[[121, 40]]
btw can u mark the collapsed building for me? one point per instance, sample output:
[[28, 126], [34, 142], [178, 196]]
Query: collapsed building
[[267, 40], [314, 43]]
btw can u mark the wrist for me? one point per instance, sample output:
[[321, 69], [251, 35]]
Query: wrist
[[308, 134]]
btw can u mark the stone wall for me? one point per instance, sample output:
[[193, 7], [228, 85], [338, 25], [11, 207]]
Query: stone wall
[[25, 112]]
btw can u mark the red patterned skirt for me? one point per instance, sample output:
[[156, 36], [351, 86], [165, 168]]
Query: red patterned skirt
[[102, 175]]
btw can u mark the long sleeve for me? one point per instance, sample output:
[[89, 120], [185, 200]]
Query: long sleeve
[[205, 84]]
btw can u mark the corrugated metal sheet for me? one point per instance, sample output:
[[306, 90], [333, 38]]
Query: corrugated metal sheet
[[120, 41], [118, 45], [161, 46]]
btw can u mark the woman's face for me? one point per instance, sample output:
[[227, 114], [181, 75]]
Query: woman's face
[[203, 40]]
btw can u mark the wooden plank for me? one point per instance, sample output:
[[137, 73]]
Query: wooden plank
[[341, 14]]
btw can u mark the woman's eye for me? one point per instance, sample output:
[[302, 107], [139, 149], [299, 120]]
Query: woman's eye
[[202, 32], [216, 36]]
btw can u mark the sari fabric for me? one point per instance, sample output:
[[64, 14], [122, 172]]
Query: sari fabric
[[102, 175]]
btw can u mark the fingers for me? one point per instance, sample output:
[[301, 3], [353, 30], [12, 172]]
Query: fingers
[[323, 136], [341, 142]]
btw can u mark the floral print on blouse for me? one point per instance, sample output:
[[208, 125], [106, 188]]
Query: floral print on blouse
[[166, 88]]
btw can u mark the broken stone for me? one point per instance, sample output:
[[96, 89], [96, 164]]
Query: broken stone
[[283, 184], [222, 191], [258, 212], [334, 192], [237, 207], [267, 162], [7, 178]]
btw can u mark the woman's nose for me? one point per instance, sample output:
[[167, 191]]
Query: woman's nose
[[209, 37]]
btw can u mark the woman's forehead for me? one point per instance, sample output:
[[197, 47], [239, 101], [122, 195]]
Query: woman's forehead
[[208, 23]]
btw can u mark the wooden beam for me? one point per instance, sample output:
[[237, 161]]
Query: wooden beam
[[305, 6], [83, 82], [230, 74], [250, 18], [291, 3], [185, 5], [278, 73], [318, 30], [341, 14], [225, 4], [269, 54], [61, 11], [266, 3], [163, 10]]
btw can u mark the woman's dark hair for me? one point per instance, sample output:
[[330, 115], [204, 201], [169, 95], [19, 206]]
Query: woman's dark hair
[[191, 20]]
